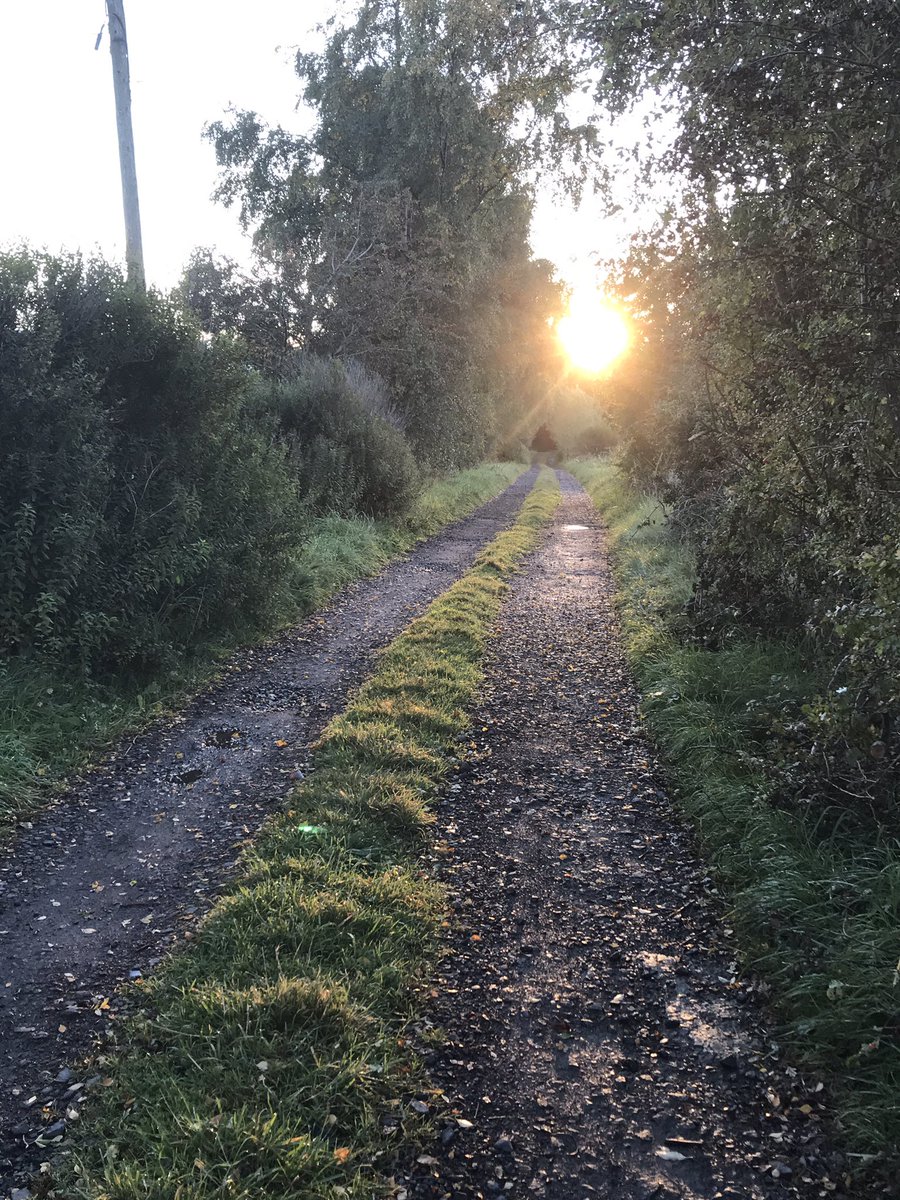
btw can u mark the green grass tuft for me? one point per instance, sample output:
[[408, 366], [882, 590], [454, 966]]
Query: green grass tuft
[[276, 1041], [817, 912]]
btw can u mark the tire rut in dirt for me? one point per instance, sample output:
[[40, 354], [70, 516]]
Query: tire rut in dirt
[[601, 1042], [100, 886]]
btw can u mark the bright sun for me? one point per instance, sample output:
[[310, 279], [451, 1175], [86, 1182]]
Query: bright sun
[[594, 333]]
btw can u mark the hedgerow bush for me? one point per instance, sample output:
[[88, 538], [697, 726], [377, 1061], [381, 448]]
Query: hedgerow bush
[[344, 439], [778, 456], [512, 449], [595, 439], [155, 487], [142, 503]]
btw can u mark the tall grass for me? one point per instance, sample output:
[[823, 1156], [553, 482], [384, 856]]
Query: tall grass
[[53, 723], [273, 1057], [817, 912]]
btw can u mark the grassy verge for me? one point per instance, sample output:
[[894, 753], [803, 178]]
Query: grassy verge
[[818, 914], [275, 1062], [52, 723], [343, 549]]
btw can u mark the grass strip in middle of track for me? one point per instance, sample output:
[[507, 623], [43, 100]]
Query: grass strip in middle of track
[[275, 1063]]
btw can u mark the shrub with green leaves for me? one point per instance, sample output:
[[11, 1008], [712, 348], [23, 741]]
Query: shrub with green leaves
[[766, 398], [345, 444], [142, 503]]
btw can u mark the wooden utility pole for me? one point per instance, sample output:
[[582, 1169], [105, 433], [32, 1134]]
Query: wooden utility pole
[[118, 49]]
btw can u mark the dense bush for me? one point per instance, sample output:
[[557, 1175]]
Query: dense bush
[[512, 449], [775, 449], [794, 518], [345, 446], [154, 487], [140, 504], [596, 439]]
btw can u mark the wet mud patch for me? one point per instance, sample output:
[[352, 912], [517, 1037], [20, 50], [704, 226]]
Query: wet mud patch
[[224, 739]]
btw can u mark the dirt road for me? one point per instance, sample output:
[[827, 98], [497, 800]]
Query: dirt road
[[601, 1040], [98, 888]]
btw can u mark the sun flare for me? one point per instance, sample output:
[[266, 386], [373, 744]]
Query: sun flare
[[593, 333]]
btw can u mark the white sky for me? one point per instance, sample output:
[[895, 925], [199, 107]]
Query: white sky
[[189, 60]]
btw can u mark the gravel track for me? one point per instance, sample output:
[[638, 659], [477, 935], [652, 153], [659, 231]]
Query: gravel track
[[96, 889], [601, 1043]]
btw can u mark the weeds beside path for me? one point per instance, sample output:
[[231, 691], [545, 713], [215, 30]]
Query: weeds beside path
[[276, 1028], [817, 911]]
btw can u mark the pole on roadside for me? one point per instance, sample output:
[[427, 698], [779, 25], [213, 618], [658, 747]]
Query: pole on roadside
[[118, 49]]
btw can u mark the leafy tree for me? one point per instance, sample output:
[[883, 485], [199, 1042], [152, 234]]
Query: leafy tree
[[402, 221], [257, 306]]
